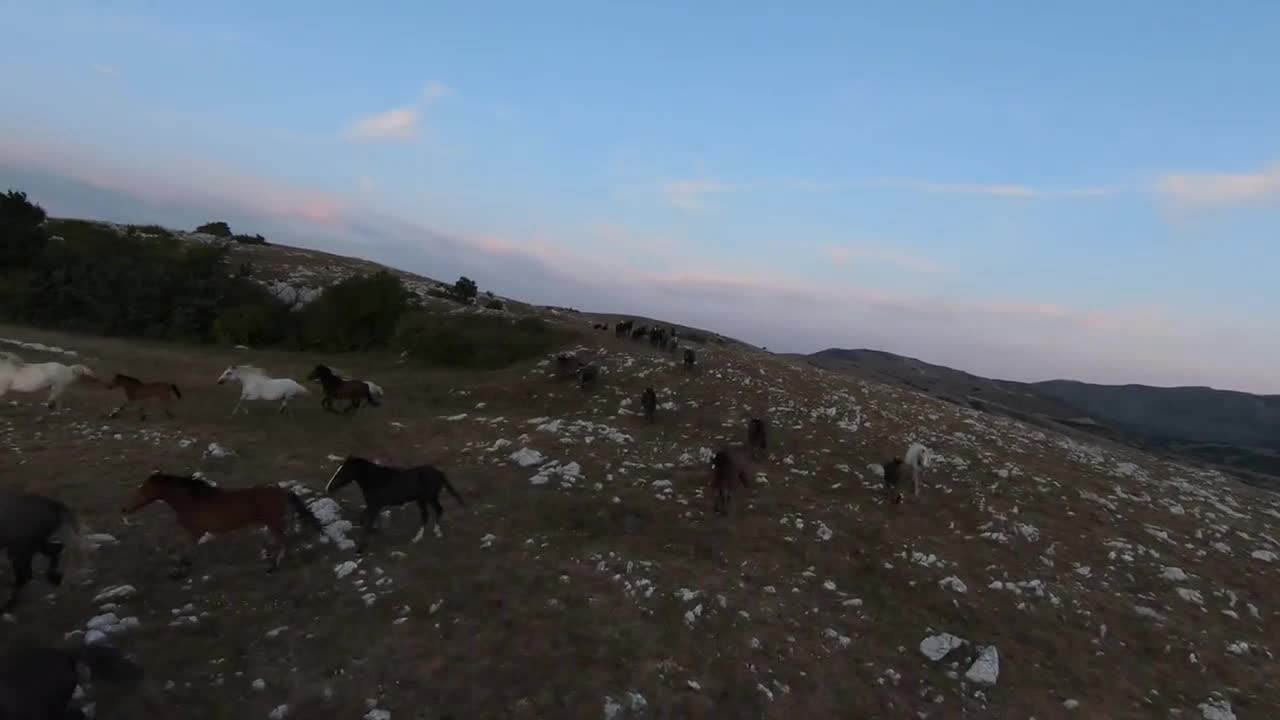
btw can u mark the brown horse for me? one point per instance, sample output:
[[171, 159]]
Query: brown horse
[[205, 508], [725, 469], [336, 388], [136, 391], [649, 403]]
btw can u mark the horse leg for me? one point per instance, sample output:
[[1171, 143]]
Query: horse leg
[[21, 560], [52, 549], [368, 523], [277, 534], [236, 409], [115, 413], [142, 411], [439, 513], [353, 406]]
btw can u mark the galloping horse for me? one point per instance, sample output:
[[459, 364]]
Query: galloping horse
[[384, 486], [137, 391], [205, 508], [256, 385], [34, 377], [337, 388], [725, 469], [31, 524]]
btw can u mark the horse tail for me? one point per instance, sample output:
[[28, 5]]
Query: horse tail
[[444, 480], [375, 398], [304, 513], [68, 534], [176, 392]]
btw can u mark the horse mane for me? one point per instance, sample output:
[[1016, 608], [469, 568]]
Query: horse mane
[[249, 369], [127, 378], [192, 485]]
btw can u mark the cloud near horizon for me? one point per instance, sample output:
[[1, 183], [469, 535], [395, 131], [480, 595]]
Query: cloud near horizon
[[999, 338], [1201, 190], [692, 194], [844, 254]]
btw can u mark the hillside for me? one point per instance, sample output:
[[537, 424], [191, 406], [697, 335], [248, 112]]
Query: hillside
[[1234, 431]]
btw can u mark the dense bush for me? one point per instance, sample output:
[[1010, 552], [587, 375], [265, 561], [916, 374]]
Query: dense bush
[[495, 304], [21, 236], [475, 341], [356, 314], [217, 229], [249, 239], [465, 290]]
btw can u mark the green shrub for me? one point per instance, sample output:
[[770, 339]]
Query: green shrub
[[481, 342], [356, 314], [465, 290], [217, 229], [495, 305]]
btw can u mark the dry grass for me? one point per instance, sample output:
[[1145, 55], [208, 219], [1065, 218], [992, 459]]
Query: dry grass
[[554, 616]]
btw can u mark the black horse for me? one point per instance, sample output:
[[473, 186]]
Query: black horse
[[31, 524], [37, 683], [757, 437], [689, 358], [384, 486], [649, 403]]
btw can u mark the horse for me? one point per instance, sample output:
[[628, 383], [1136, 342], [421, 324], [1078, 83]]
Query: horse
[[689, 358], [587, 377], [205, 508], [725, 469], [33, 377], [385, 486], [649, 403], [892, 472], [31, 524], [37, 683], [757, 437], [898, 470], [623, 328], [256, 385], [337, 388], [137, 391]]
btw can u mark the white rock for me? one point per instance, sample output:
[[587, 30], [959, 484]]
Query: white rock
[[345, 568], [280, 713], [1191, 596], [1071, 704], [526, 457], [117, 592], [1174, 574], [377, 714], [1264, 555], [954, 583], [1216, 709], [259, 685], [217, 452], [986, 669], [936, 647]]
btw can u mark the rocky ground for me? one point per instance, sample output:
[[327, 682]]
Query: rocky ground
[[1035, 576]]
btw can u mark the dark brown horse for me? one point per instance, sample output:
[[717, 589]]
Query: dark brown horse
[[205, 508], [336, 388], [758, 437], [892, 476], [689, 358], [649, 403], [588, 375], [136, 391], [727, 470]]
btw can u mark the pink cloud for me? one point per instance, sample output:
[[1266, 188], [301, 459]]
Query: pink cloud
[[398, 124], [844, 254], [692, 194], [1218, 190]]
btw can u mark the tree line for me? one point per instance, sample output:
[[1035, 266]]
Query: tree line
[[85, 277]]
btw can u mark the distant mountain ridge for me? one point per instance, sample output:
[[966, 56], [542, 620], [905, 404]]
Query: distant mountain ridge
[[1235, 431]]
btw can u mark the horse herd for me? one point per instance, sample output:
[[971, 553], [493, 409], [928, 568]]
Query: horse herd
[[33, 524]]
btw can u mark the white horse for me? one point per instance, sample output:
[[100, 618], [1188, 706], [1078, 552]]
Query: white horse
[[917, 459], [256, 385], [33, 377]]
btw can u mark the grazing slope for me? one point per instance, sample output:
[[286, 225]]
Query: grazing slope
[[1234, 431], [587, 577]]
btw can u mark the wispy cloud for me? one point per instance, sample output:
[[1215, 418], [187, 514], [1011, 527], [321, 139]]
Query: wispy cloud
[[1220, 190], [692, 194], [399, 124], [105, 70], [844, 254]]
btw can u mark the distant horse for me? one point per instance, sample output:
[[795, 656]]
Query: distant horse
[[337, 388], [385, 486], [640, 333], [689, 358], [587, 377], [137, 391], [622, 329], [567, 365], [892, 473], [898, 471], [37, 683], [205, 508], [649, 403], [256, 385], [725, 470], [31, 524], [757, 437], [33, 377]]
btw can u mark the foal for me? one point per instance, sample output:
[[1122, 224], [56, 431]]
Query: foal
[[649, 403], [31, 524], [137, 391], [385, 486], [335, 388], [725, 469], [757, 437], [204, 508]]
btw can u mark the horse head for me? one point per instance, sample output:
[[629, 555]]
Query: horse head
[[148, 492], [343, 476], [231, 373]]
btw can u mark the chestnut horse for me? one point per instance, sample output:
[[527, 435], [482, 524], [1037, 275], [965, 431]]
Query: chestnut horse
[[336, 388], [205, 508], [136, 391]]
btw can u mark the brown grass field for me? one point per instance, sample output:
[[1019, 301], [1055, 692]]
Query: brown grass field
[[810, 600]]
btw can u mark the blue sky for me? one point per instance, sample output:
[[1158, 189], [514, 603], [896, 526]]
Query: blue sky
[[1016, 190]]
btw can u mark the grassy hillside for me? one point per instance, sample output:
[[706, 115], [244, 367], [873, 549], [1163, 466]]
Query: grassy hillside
[[597, 583]]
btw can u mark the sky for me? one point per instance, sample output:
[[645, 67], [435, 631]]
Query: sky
[[1090, 191]]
